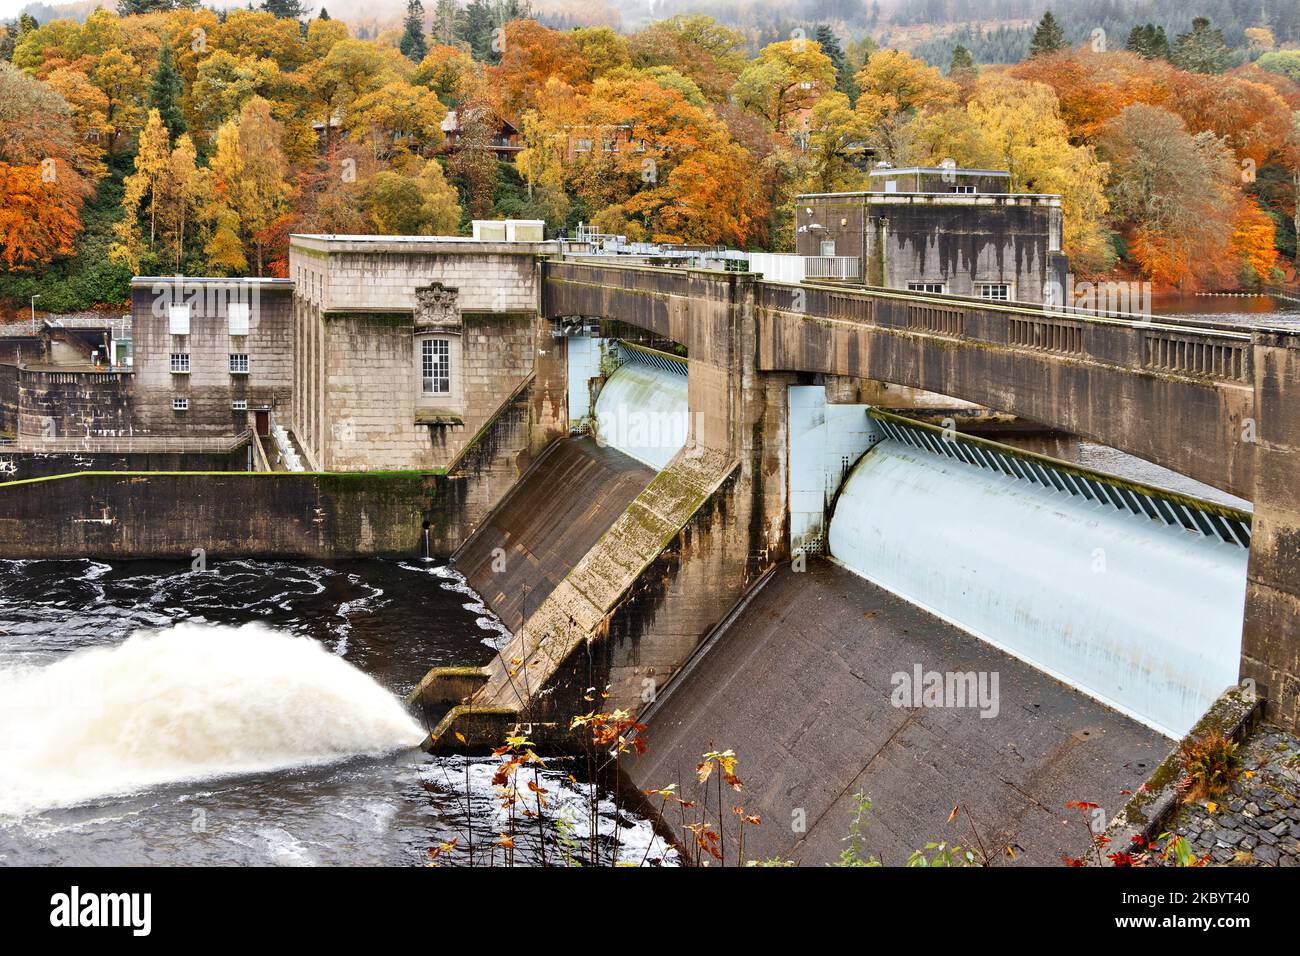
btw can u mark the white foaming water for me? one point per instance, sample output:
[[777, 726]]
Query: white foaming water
[[188, 702]]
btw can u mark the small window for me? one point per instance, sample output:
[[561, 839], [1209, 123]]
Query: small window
[[239, 405], [180, 363], [965, 190], [178, 319], [180, 404], [237, 313], [997, 291], [583, 146], [933, 287], [827, 247], [435, 367], [238, 363]]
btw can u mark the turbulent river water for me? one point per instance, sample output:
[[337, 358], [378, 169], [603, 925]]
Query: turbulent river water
[[250, 714]]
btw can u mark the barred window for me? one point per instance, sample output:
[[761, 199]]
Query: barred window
[[239, 363], [435, 366], [180, 363], [180, 404]]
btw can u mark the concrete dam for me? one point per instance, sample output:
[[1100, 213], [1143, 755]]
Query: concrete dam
[[1050, 577], [697, 496]]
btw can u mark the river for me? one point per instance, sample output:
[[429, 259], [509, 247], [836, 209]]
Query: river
[[250, 714]]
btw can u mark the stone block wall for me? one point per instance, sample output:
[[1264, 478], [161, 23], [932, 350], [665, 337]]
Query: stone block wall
[[210, 386], [362, 307], [93, 405]]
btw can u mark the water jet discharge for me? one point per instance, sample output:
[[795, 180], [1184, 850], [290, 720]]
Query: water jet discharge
[[191, 701]]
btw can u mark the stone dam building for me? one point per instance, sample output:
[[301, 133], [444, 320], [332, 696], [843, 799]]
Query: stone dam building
[[755, 510]]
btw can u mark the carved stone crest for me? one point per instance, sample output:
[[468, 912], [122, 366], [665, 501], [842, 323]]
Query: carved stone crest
[[436, 308]]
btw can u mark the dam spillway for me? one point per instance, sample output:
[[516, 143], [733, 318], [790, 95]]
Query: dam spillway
[[642, 409], [547, 521], [1142, 615]]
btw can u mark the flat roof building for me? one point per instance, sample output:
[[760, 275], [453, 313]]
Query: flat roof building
[[938, 230]]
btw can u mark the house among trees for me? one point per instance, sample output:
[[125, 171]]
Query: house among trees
[[496, 133]]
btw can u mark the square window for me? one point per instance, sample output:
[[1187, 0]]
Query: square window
[[180, 404], [238, 363], [237, 313], [996, 291], [180, 363], [178, 319], [435, 367]]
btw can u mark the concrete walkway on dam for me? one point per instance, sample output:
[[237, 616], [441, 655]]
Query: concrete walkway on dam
[[548, 521], [799, 685]]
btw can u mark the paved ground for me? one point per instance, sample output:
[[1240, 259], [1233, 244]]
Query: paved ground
[[1258, 824], [800, 687], [548, 522]]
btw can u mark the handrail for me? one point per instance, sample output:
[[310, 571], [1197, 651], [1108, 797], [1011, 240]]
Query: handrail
[[134, 444]]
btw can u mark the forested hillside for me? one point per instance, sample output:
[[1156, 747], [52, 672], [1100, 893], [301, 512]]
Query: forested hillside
[[166, 138]]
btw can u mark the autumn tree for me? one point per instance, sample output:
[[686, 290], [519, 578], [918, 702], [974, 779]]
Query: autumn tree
[[248, 169], [696, 46], [601, 51], [541, 162], [474, 163], [895, 86], [397, 120], [837, 141], [183, 200], [119, 77], [785, 78], [450, 72], [1015, 125], [1171, 192], [225, 82], [42, 187], [421, 205], [89, 108], [143, 194], [671, 171], [533, 54]]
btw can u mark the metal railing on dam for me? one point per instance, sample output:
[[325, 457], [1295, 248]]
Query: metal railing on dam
[[1227, 524], [132, 444]]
